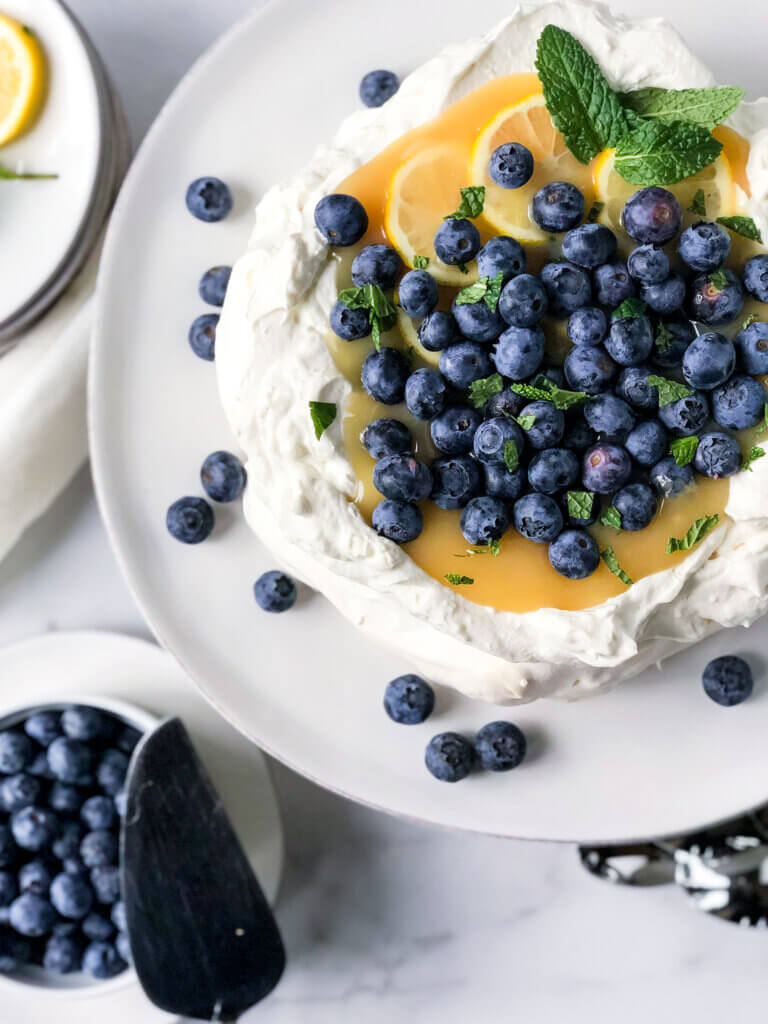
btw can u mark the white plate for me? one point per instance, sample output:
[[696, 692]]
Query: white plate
[[655, 757], [122, 671]]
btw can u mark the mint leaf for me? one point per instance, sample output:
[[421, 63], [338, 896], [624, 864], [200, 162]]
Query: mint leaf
[[8, 175], [695, 533], [743, 226], [471, 205], [472, 293], [661, 153], [611, 517], [579, 99], [610, 559], [560, 398], [481, 390], [706, 107], [493, 547], [595, 210], [749, 320], [664, 338], [755, 453], [524, 422], [669, 390], [457, 581], [684, 449], [511, 457], [382, 314], [699, 203], [630, 309], [420, 262], [323, 414], [493, 291], [580, 504], [718, 280]]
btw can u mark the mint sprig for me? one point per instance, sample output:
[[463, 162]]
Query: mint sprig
[[481, 390], [420, 262], [706, 107], [749, 320], [743, 226], [471, 205], [560, 398], [524, 422], [664, 338], [511, 456], [458, 581], [630, 309], [669, 390], [484, 289], [610, 559], [580, 504], [696, 532], [382, 314], [683, 450], [755, 453], [323, 414], [663, 153], [611, 517], [699, 203]]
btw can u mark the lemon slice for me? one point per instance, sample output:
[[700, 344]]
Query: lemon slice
[[409, 330], [422, 192], [22, 78], [715, 181], [528, 122]]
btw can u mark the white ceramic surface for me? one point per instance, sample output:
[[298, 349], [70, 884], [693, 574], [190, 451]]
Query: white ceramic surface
[[304, 685]]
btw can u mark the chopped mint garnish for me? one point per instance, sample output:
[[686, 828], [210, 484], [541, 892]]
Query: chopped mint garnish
[[630, 309], [382, 314], [472, 293], [669, 390], [323, 414], [611, 517], [458, 581], [743, 226], [595, 210], [755, 453], [749, 320], [524, 422], [684, 449], [7, 175], [493, 292], [664, 338], [610, 559], [718, 280], [695, 533], [481, 390], [511, 457], [764, 425], [699, 203], [706, 107], [660, 153], [580, 504], [421, 262], [493, 547], [471, 205], [550, 393]]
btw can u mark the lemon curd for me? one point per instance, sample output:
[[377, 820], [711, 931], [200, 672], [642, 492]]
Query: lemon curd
[[407, 190]]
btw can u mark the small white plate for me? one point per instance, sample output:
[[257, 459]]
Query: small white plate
[[120, 672], [653, 758]]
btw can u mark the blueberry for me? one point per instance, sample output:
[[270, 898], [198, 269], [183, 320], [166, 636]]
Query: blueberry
[[589, 369], [438, 330], [376, 264], [449, 757], [397, 520], [17, 791], [349, 324], [606, 468], [704, 246], [558, 206], [668, 479], [523, 301], [202, 336], [43, 727], [652, 216], [613, 284], [477, 322], [409, 700], [574, 554], [457, 241], [16, 751], [500, 483], [121, 803], [709, 360], [67, 842], [425, 393], [548, 424], [610, 417], [417, 293], [568, 288], [500, 746], [587, 326], [378, 86], [553, 470], [84, 723], [274, 591], [718, 455], [402, 478], [519, 352], [341, 219], [647, 443], [739, 403], [123, 947], [9, 890], [453, 431], [728, 680], [8, 848], [465, 363], [65, 798], [505, 403], [630, 340], [98, 812], [35, 876], [511, 165], [386, 437], [222, 476], [117, 914], [537, 517], [666, 297], [111, 771], [32, 915], [752, 348], [14, 951], [637, 505], [62, 954], [634, 388], [501, 255], [384, 375], [189, 520], [209, 199], [102, 961], [672, 339], [589, 245], [554, 374], [686, 416], [456, 479], [97, 928], [648, 264], [716, 298], [578, 436], [34, 828], [756, 277], [492, 437], [484, 520], [105, 880], [213, 285]]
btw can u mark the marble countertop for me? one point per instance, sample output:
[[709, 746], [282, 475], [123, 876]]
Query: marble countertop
[[384, 919]]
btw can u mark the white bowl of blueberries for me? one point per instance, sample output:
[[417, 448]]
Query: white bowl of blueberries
[[62, 772]]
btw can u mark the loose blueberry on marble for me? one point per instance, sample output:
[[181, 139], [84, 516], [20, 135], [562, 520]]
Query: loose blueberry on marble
[[523, 301], [376, 264], [449, 757], [687, 416], [519, 352], [668, 479], [409, 700], [402, 478], [717, 455], [500, 746], [716, 298], [613, 284], [558, 206], [630, 340], [483, 520], [341, 219], [464, 363], [454, 429], [637, 505], [587, 326], [704, 246], [589, 245], [666, 297], [648, 264], [398, 521], [756, 277], [349, 324], [728, 680], [222, 476], [190, 520], [417, 293], [386, 437], [709, 360], [274, 591], [202, 336], [493, 436], [606, 468], [652, 216], [457, 241], [647, 442], [43, 727], [739, 403], [477, 321], [574, 554], [455, 479], [537, 517], [209, 199], [511, 165], [568, 288], [438, 330], [501, 255], [384, 375], [213, 285], [752, 349], [376, 87], [589, 369]]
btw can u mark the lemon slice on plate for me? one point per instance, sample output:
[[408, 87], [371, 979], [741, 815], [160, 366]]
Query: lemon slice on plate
[[422, 192], [22, 78], [409, 331], [528, 122]]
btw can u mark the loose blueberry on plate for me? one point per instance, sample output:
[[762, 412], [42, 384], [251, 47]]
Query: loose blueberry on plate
[[728, 680], [454, 429], [717, 455], [519, 352], [739, 403], [501, 255], [457, 241], [666, 297], [222, 476], [511, 165], [409, 700], [568, 288], [425, 394], [449, 757], [209, 199], [558, 206], [610, 417], [202, 336], [398, 521], [637, 505], [589, 369], [43, 727], [378, 86], [587, 326], [589, 245], [613, 284], [477, 322], [523, 301], [492, 437], [464, 363], [274, 591], [376, 264], [574, 554], [709, 360], [213, 285], [456, 479], [687, 416], [386, 437], [483, 520], [648, 442], [349, 324], [500, 746], [438, 330], [500, 483], [548, 425], [189, 520], [553, 470], [652, 216], [384, 375], [630, 340], [752, 349], [704, 246], [341, 219], [648, 264], [756, 277], [716, 298], [606, 468], [668, 479], [634, 388], [537, 517], [402, 478], [417, 293]]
